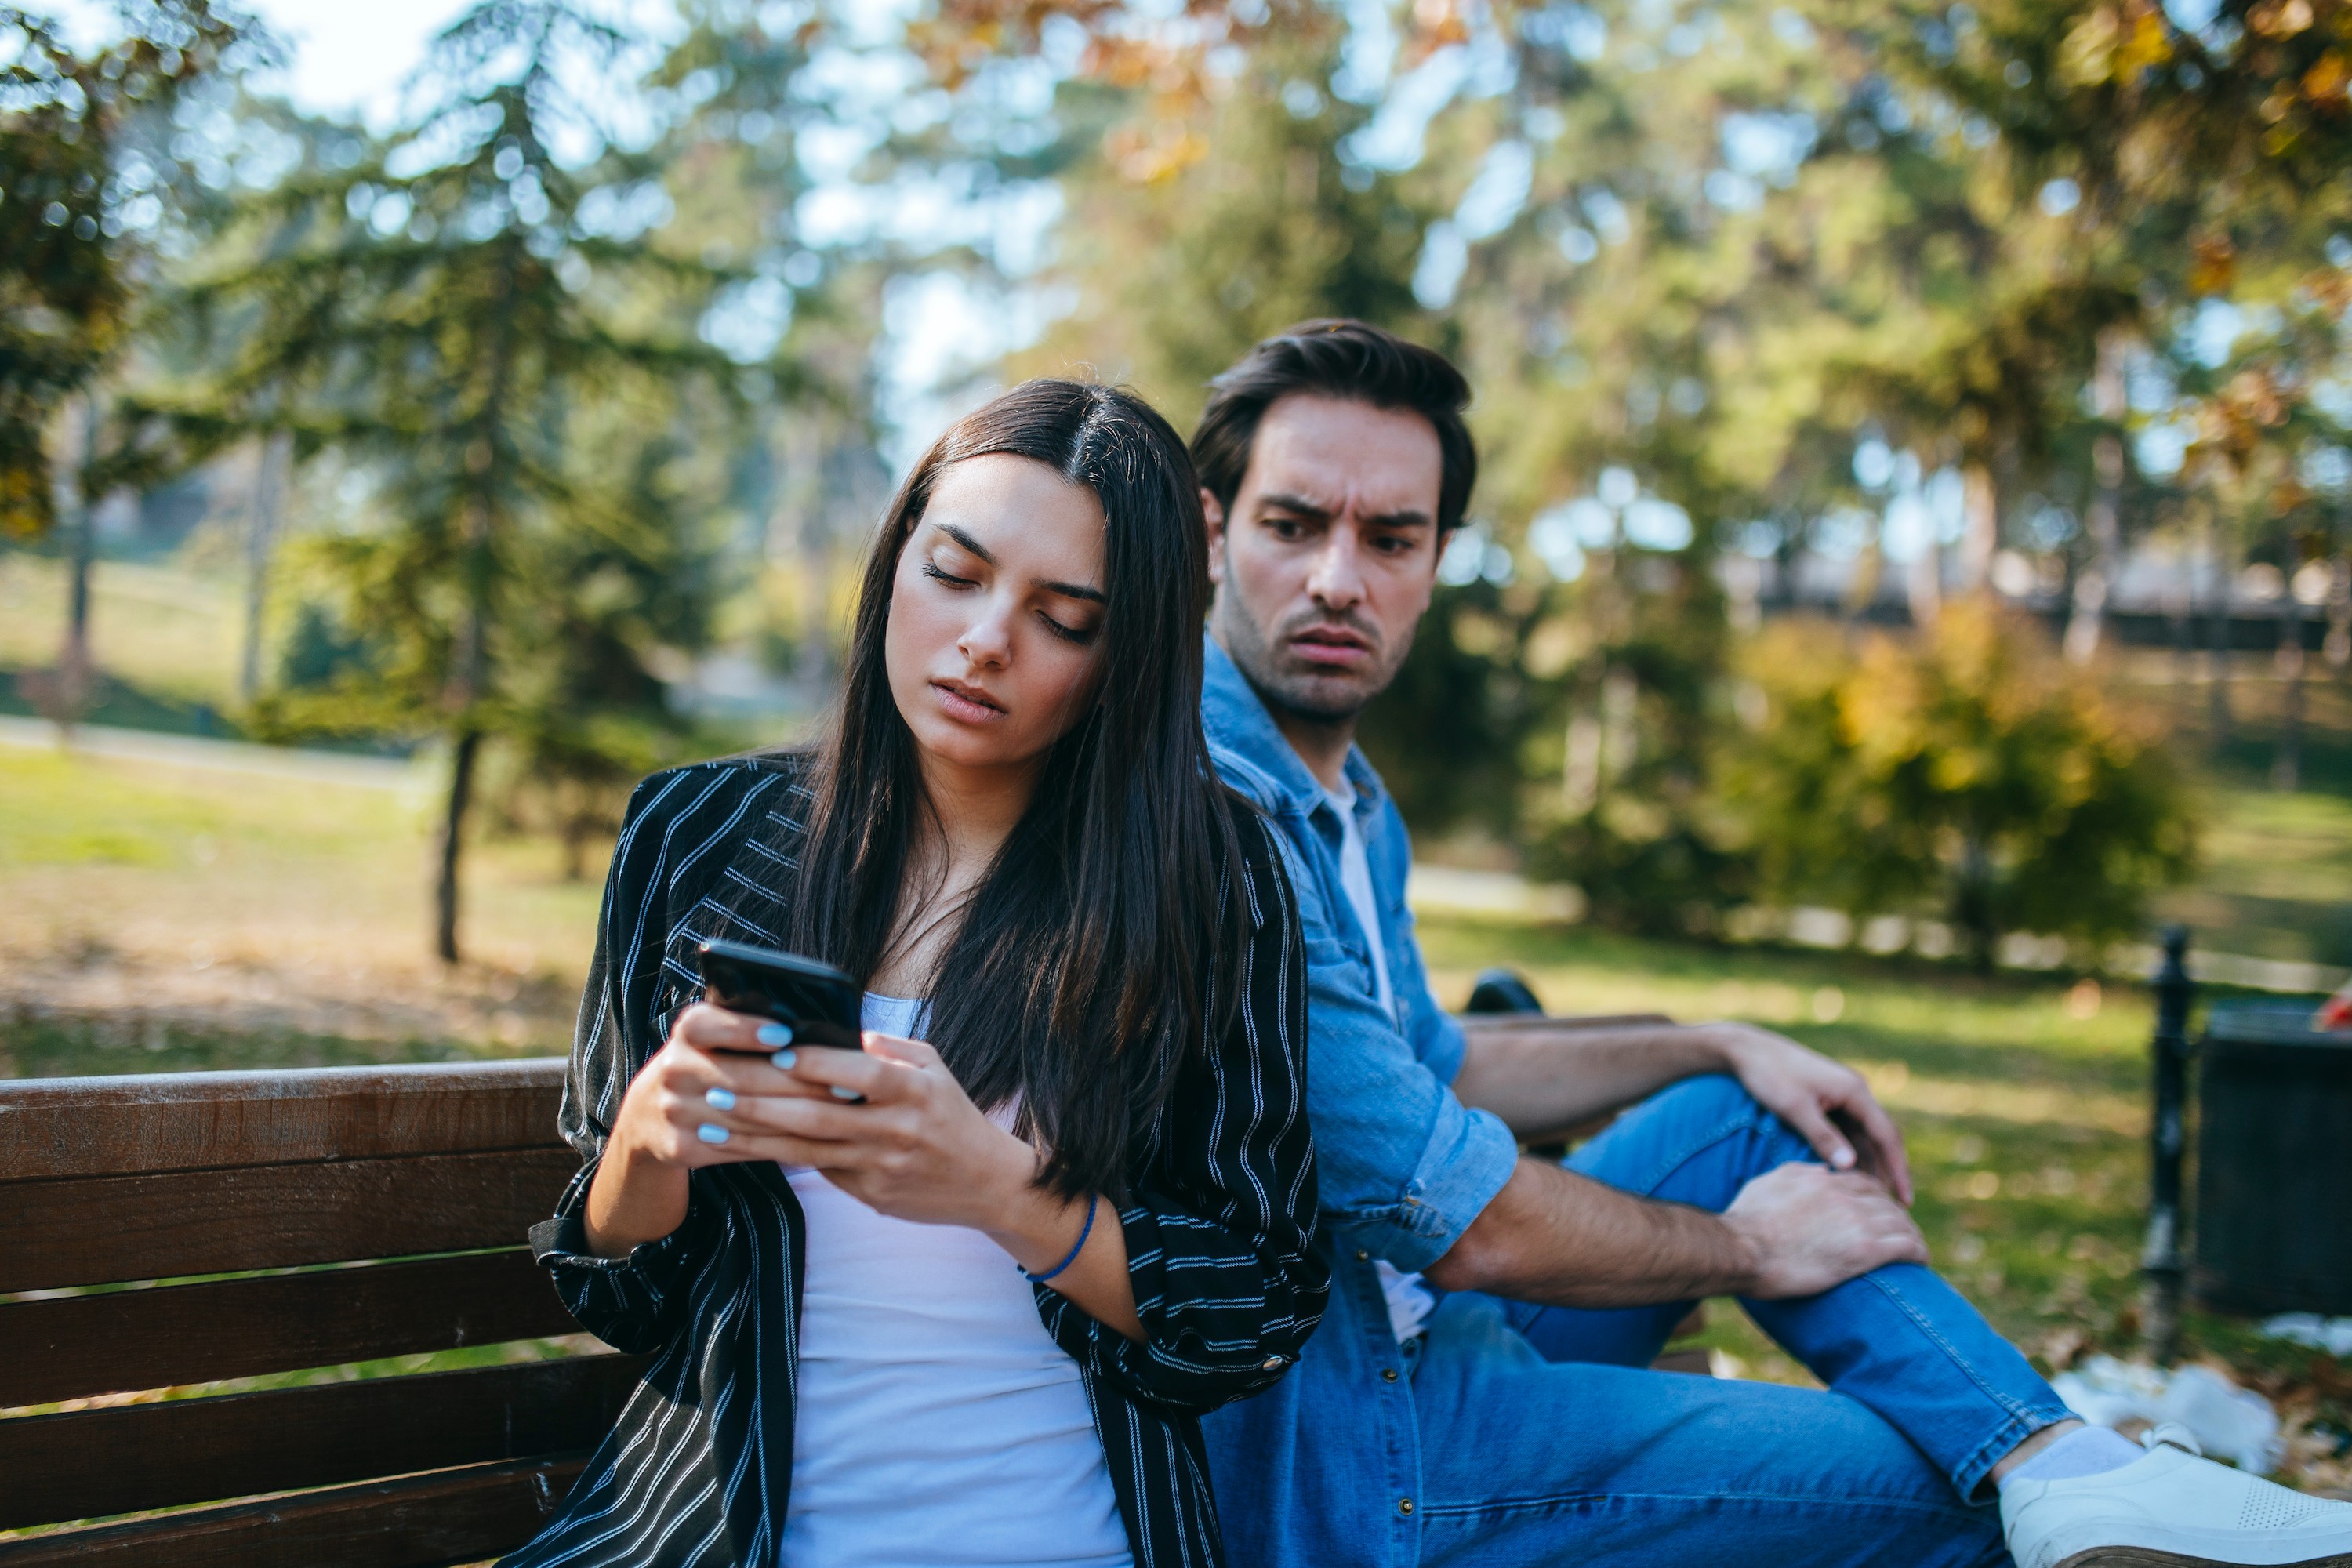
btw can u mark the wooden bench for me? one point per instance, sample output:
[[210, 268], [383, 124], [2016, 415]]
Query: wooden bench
[[356, 1214]]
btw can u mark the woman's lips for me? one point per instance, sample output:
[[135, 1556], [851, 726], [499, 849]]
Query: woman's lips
[[966, 708]]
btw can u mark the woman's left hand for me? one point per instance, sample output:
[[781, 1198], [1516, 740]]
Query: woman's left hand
[[918, 1149]]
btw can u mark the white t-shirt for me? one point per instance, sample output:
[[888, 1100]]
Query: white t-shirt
[[1408, 1300], [938, 1423]]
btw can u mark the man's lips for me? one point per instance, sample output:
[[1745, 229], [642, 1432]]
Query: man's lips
[[1332, 646], [969, 704]]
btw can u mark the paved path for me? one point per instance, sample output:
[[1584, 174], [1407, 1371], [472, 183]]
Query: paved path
[[223, 756]]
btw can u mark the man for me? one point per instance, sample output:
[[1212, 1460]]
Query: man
[[1478, 1392]]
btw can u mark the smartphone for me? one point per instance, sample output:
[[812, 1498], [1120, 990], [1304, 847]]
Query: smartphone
[[819, 1002]]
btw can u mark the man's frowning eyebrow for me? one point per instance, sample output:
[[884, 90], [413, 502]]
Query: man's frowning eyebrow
[[1316, 512], [1068, 590]]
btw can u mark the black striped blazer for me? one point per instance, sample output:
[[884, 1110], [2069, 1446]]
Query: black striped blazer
[[1219, 1232]]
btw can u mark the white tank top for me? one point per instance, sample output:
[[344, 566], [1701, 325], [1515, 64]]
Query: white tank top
[[938, 1424]]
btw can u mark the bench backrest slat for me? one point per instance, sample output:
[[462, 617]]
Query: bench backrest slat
[[87, 1463], [97, 1230], [59, 1127], [70, 1347], [455, 1516]]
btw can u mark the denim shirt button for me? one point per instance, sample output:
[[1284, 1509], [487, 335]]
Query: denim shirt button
[[1363, 1255], [1388, 1374], [1405, 1507]]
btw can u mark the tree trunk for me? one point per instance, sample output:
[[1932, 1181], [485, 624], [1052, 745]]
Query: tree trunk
[[2337, 649], [2217, 689], [1980, 504], [77, 673], [2101, 521], [453, 833], [260, 542], [1972, 911], [1922, 586], [2287, 766]]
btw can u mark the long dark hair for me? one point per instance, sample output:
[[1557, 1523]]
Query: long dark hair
[[1083, 968]]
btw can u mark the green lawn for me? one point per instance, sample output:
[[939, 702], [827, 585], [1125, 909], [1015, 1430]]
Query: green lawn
[[2278, 879], [160, 627], [164, 919]]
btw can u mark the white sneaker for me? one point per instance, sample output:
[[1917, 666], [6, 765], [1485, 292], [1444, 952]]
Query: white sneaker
[[2172, 1510]]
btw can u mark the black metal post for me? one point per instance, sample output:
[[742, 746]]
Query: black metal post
[[2160, 1261]]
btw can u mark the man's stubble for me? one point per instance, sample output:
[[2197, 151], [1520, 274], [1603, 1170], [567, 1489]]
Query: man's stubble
[[1297, 698]]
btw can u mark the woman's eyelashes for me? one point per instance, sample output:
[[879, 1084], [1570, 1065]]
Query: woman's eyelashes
[[1068, 634]]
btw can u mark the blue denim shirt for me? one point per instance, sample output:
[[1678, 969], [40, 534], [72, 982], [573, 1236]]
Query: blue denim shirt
[[1323, 1468]]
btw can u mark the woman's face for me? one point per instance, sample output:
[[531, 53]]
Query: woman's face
[[997, 611]]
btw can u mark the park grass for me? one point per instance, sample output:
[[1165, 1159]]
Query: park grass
[[160, 627], [165, 918], [2276, 882]]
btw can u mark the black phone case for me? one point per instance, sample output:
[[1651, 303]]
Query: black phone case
[[819, 1002]]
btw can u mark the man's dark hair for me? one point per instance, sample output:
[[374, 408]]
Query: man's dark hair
[[1354, 361]]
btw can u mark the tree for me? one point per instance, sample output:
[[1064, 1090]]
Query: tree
[[83, 175], [452, 311]]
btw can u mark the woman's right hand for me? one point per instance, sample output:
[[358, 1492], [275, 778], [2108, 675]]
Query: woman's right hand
[[683, 1110]]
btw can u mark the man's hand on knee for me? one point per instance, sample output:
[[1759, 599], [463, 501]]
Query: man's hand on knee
[[1807, 1229], [1827, 1103]]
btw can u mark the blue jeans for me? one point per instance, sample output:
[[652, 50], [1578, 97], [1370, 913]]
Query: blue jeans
[[1543, 1438]]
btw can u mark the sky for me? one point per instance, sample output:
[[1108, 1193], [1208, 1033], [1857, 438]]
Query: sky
[[351, 55], [348, 56]]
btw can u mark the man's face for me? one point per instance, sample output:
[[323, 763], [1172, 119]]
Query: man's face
[[1325, 564]]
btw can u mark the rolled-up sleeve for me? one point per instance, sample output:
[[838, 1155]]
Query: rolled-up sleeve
[[1404, 1166]]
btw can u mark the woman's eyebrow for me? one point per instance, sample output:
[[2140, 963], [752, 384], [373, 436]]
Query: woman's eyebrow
[[1068, 590], [968, 541]]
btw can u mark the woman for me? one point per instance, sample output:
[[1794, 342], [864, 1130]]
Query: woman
[[1086, 1021]]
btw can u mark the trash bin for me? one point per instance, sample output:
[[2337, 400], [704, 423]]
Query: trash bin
[[2273, 1161]]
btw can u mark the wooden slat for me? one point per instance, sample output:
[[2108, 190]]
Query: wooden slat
[[206, 1120], [456, 1516], [87, 1463], [96, 1230], [71, 1347]]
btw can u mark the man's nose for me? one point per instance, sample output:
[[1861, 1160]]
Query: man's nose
[[1336, 580]]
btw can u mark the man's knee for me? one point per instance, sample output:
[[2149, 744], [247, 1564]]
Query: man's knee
[[1711, 1110], [1713, 1098]]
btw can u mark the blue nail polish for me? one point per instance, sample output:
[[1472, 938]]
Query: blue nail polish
[[719, 1098], [784, 1060], [711, 1133], [775, 1034], [841, 1093]]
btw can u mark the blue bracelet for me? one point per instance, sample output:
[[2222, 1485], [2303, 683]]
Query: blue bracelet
[[1084, 1231]]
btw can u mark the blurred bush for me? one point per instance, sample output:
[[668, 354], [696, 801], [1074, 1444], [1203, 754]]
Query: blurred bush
[[1966, 773]]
